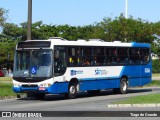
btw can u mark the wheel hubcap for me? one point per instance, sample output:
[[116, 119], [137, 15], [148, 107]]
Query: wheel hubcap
[[72, 90], [124, 87]]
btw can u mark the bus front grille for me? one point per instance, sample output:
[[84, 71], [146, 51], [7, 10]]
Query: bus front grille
[[29, 85]]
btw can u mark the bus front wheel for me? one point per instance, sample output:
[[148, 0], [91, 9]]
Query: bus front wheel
[[72, 91]]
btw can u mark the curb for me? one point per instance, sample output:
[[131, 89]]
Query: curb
[[131, 105], [11, 97], [7, 97]]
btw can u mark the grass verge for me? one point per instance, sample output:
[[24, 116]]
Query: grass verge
[[154, 83], [5, 79], [6, 90], [143, 99], [156, 75]]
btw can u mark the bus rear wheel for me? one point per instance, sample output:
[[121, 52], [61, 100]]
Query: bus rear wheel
[[123, 86]]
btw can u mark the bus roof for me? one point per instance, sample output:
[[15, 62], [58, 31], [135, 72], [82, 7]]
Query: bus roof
[[95, 42], [91, 42]]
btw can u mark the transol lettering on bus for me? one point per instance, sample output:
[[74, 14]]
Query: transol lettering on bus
[[75, 72], [100, 72]]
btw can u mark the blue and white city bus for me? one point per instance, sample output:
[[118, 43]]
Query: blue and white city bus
[[58, 66]]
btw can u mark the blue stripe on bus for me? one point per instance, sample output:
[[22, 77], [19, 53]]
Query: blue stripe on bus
[[111, 83], [134, 44], [58, 87], [99, 84], [98, 78]]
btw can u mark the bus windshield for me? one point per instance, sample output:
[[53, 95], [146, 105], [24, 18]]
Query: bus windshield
[[33, 63]]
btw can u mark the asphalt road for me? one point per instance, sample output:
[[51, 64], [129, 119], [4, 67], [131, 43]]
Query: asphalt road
[[82, 103]]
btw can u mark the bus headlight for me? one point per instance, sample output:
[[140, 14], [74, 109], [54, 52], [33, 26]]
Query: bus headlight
[[17, 85]]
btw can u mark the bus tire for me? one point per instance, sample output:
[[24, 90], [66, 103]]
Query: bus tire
[[72, 91], [123, 86]]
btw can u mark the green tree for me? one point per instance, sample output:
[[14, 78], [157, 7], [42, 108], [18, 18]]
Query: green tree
[[7, 54], [12, 32], [156, 42], [125, 30], [157, 28], [3, 16], [156, 66]]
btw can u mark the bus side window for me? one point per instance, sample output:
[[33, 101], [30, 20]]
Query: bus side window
[[78, 56], [86, 56], [56, 57], [74, 56], [134, 54], [60, 61], [98, 56], [71, 54], [113, 55], [144, 55], [123, 57]]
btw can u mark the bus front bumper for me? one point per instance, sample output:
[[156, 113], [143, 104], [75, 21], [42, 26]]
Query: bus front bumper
[[56, 88]]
